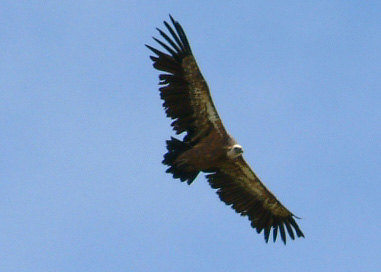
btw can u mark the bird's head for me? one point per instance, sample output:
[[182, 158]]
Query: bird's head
[[235, 151]]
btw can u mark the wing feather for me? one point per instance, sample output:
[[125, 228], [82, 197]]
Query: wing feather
[[289, 229], [238, 186], [185, 93]]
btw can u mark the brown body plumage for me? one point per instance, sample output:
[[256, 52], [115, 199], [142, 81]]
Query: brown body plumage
[[207, 147]]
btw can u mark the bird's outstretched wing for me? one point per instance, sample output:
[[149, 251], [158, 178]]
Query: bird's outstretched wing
[[239, 187], [186, 95]]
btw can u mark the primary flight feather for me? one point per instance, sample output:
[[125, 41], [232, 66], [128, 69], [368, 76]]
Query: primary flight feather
[[207, 146]]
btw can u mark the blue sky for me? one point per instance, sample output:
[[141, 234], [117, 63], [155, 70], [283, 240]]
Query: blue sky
[[82, 134]]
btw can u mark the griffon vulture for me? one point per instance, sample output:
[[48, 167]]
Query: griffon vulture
[[207, 146]]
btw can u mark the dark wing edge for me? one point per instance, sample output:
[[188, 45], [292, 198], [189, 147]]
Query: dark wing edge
[[239, 187], [186, 96]]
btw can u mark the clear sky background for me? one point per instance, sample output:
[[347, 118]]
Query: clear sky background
[[82, 134]]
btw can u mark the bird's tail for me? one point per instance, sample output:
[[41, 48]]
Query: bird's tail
[[175, 148]]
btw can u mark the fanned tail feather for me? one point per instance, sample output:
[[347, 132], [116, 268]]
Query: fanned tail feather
[[175, 148]]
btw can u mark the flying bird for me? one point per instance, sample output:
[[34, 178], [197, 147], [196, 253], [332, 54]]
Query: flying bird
[[207, 146]]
